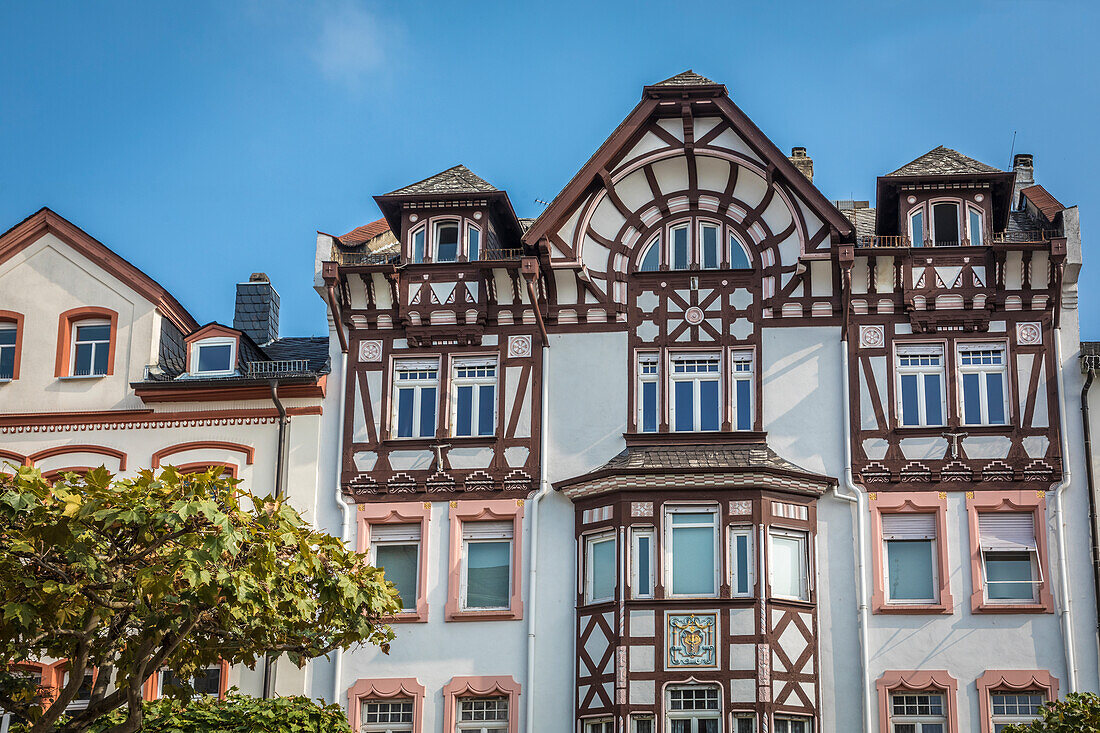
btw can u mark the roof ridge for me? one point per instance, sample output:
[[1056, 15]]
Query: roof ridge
[[684, 79]]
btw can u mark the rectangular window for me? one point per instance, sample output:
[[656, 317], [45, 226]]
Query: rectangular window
[[681, 248], [214, 358], [917, 713], [415, 390], [386, 716], [916, 228], [920, 377], [486, 565], [7, 351], [205, 682], [789, 565], [691, 541], [741, 366], [91, 348], [474, 397], [445, 241], [709, 239], [793, 724], [418, 245], [641, 562], [741, 561], [975, 223], [599, 726], [1015, 708], [83, 695], [599, 568], [473, 243], [1010, 556], [693, 709], [647, 393], [744, 723], [396, 549], [482, 715], [909, 547], [983, 381], [695, 387], [641, 724]]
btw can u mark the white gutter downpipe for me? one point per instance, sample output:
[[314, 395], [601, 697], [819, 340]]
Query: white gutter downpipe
[[1060, 523], [532, 572], [859, 498], [345, 510]]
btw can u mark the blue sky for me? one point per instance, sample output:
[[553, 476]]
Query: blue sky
[[207, 140]]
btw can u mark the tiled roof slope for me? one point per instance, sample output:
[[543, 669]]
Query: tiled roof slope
[[1044, 202], [943, 162], [364, 233], [693, 457], [685, 79], [458, 179]]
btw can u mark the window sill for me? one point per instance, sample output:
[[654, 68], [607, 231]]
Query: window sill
[[731, 436], [77, 377], [1029, 607], [496, 614], [6, 380], [409, 617], [913, 609], [798, 602]]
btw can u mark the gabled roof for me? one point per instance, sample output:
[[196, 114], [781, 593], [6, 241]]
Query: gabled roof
[[1047, 205], [45, 220], [685, 79], [458, 179], [364, 233], [942, 161]]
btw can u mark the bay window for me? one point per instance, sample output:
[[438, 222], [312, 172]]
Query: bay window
[[482, 715], [599, 568], [1015, 708], [415, 390], [695, 389], [909, 549], [693, 709], [741, 561], [386, 716], [486, 565], [473, 397], [396, 549], [920, 380], [641, 562], [920, 712], [648, 409], [982, 384], [788, 564], [690, 552], [1010, 556]]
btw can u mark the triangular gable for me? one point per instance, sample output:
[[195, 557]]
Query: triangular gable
[[943, 161], [45, 221]]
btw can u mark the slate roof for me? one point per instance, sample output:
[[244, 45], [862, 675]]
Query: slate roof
[[1090, 355], [862, 219], [256, 310], [458, 179], [314, 349], [685, 79], [943, 161], [695, 457]]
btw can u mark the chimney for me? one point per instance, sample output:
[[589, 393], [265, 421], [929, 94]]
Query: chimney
[[1023, 165], [803, 162], [257, 309]]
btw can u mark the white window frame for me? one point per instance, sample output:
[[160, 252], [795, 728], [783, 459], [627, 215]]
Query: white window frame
[[732, 238], [696, 378], [747, 532], [421, 230], [960, 226], [599, 725], [693, 715], [786, 721], [742, 368], [399, 535], [914, 213], [464, 242], [644, 717], [700, 225], [687, 226], [738, 717], [198, 346], [443, 221], [996, 719], [983, 388], [78, 704], [6, 326], [487, 532], [163, 674], [425, 364], [475, 382], [933, 539], [96, 346], [590, 543], [806, 576], [918, 720], [388, 726], [1031, 549], [636, 534], [655, 244], [905, 350], [648, 366], [975, 240], [482, 726], [669, 548]]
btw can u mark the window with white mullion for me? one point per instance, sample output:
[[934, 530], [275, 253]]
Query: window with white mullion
[[415, 396], [486, 565], [396, 549], [599, 567], [482, 715], [8, 336], [691, 551], [788, 564], [793, 724], [910, 567], [983, 382], [679, 244], [741, 561], [920, 712], [974, 220], [695, 392], [741, 375], [91, 347], [603, 725], [648, 395], [710, 245], [473, 397], [920, 380], [1010, 557], [1015, 707], [386, 716], [642, 575], [693, 709]]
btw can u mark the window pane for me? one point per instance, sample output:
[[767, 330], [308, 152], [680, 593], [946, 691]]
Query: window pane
[[786, 565], [916, 229], [708, 405], [83, 365], [680, 259], [994, 390], [910, 570], [738, 259], [685, 414], [418, 246], [603, 569], [7, 362], [975, 227], [710, 247], [400, 564], [427, 412], [945, 217], [680, 725], [741, 563], [645, 548], [692, 559], [1008, 566], [208, 681], [649, 407], [708, 725], [487, 574], [214, 358], [405, 413], [744, 404], [446, 243], [909, 410], [464, 409], [93, 333], [7, 337], [651, 261], [486, 408], [473, 244], [933, 405], [972, 398]]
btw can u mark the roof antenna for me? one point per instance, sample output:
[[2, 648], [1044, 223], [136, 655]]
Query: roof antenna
[[541, 202], [1012, 151]]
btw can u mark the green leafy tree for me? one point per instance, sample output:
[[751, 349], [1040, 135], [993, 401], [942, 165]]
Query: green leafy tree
[[130, 576], [1075, 713], [234, 714]]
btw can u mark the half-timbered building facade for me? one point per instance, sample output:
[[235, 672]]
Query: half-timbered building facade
[[701, 450]]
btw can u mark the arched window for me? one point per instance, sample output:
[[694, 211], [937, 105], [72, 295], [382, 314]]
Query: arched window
[[974, 225], [473, 243], [418, 236], [739, 254], [916, 227], [945, 224], [680, 244], [651, 260], [710, 238], [445, 241]]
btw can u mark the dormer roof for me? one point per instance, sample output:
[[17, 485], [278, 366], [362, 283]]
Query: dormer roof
[[685, 79], [943, 161], [458, 179]]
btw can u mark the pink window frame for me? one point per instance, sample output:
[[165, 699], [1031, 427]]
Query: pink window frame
[[936, 680], [385, 689], [1016, 680], [910, 503], [496, 510], [403, 512], [480, 687], [1033, 502], [14, 319]]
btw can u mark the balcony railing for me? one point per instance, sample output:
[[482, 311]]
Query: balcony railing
[[1026, 236], [882, 240], [1014, 237], [281, 367], [495, 255], [342, 257]]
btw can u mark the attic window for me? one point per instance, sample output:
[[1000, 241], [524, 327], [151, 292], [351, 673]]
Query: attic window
[[446, 241], [945, 224], [213, 357]]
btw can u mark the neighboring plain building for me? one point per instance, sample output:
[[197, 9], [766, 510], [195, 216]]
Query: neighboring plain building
[[697, 450]]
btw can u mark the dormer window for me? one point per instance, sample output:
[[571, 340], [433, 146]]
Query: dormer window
[[473, 242], [942, 224], [945, 224], [418, 244], [445, 241], [974, 222], [213, 357], [916, 228]]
